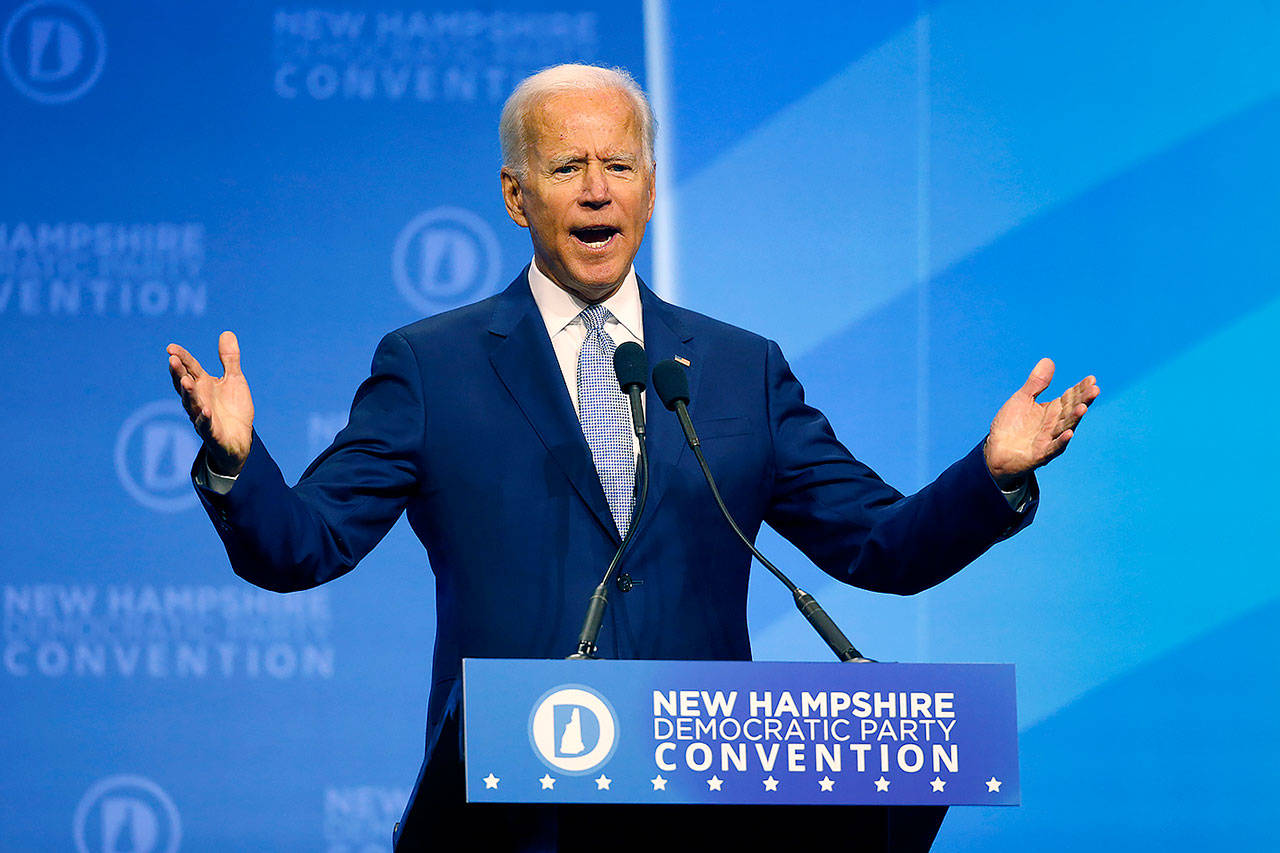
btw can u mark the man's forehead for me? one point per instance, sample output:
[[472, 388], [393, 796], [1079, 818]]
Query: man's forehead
[[569, 120]]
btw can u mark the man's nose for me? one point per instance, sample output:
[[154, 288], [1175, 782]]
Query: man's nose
[[595, 187]]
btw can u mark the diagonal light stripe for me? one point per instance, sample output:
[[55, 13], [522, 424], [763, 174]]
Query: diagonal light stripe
[[1031, 106], [1155, 528]]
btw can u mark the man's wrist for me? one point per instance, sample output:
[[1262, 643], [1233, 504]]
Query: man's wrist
[[1011, 482], [222, 465], [1008, 482]]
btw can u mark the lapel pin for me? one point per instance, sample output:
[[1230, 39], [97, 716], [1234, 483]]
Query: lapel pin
[[683, 360]]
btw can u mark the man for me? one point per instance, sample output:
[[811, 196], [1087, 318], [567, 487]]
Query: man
[[497, 428]]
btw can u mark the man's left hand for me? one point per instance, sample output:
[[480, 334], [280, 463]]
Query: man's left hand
[[1026, 434]]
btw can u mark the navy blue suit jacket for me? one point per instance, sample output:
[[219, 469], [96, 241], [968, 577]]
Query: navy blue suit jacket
[[465, 424]]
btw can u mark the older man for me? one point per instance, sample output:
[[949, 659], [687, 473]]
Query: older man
[[496, 429]]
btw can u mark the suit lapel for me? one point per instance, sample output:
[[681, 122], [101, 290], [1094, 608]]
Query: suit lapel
[[665, 336], [525, 362]]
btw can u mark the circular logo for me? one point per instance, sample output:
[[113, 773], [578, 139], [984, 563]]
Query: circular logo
[[126, 813], [53, 50], [154, 451], [444, 258], [573, 729]]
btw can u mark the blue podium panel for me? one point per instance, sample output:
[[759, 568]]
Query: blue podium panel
[[740, 733]]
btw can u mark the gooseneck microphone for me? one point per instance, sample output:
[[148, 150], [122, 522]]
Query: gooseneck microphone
[[672, 385], [630, 364]]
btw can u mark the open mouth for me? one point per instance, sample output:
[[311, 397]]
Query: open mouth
[[595, 236]]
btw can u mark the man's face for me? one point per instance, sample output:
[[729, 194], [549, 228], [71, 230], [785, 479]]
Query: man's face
[[588, 192]]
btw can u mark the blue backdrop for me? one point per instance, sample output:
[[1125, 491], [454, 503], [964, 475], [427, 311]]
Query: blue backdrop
[[924, 197]]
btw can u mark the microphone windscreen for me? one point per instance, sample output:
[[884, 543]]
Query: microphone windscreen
[[671, 383], [631, 365]]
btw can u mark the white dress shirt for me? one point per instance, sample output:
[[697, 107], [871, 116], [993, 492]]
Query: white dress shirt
[[560, 309]]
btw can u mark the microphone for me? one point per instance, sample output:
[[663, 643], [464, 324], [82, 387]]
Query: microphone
[[630, 364], [672, 384]]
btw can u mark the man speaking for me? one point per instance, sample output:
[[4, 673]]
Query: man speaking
[[500, 429]]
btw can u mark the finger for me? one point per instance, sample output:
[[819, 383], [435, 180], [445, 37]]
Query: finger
[[201, 418], [1085, 387], [1073, 416], [176, 372], [229, 353], [1041, 376], [190, 402], [1085, 391], [1058, 445], [187, 360]]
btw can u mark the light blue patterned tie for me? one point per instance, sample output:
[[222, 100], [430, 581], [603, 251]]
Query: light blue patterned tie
[[605, 417]]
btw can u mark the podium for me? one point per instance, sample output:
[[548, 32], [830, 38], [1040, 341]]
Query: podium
[[744, 733]]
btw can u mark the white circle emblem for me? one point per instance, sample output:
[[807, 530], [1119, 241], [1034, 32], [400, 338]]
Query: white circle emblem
[[53, 50], [154, 452], [445, 258], [126, 813], [573, 729]]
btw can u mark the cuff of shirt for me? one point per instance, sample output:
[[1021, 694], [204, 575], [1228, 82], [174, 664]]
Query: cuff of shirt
[[1017, 496], [220, 484]]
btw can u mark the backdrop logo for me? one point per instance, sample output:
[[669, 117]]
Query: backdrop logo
[[126, 813], [181, 631], [126, 269], [54, 50], [573, 729], [445, 56], [358, 818], [444, 258], [154, 452]]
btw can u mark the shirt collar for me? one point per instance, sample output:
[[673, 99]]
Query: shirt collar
[[559, 307]]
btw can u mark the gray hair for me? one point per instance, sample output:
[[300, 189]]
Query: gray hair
[[533, 90]]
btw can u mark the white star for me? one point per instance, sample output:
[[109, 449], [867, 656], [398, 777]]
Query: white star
[[714, 783], [771, 784], [826, 783], [937, 783], [548, 782], [491, 781], [993, 785], [602, 784], [659, 784], [882, 784]]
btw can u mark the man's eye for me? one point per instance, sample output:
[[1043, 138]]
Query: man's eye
[[565, 169], [620, 167]]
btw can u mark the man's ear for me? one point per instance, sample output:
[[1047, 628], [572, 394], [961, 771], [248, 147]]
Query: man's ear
[[653, 191], [513, 198]]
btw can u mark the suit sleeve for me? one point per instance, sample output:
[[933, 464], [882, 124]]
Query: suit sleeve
[[859, 529], [287, 539]]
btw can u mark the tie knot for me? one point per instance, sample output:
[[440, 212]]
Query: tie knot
[[594, 317]]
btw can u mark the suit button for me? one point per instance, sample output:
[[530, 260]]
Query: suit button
[[626, 583]]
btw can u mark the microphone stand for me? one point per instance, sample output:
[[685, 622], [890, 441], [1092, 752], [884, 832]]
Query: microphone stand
[[630, 365], [676, 399], [600, 597]]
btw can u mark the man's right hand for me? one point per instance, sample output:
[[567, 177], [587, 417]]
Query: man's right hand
[[220, 408]]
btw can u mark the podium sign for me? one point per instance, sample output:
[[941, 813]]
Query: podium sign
[[738, 732]]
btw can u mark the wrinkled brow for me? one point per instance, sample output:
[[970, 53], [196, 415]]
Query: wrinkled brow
[[565, 158]]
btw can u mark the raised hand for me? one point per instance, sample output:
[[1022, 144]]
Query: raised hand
[[1026, 434], [220, 408]]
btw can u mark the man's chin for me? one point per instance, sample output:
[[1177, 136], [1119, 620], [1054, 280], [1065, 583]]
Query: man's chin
[[594, 284], [594, 292]]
